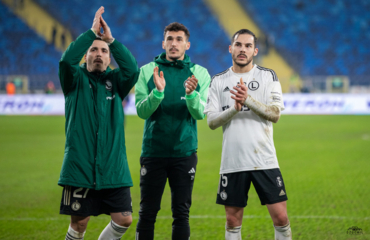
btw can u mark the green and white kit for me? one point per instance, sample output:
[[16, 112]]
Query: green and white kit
[[170, 116]]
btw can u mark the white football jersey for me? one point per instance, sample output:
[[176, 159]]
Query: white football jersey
[[247, 138]]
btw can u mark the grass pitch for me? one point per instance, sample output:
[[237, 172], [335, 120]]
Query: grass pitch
[[325, 161]]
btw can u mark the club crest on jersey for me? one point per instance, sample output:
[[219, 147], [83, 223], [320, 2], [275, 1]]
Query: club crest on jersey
[[223, 195], [108, 85], [279, 182], [76, 206], [143, 171], [253, 86]]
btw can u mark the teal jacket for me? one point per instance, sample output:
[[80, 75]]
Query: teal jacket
[[170, 116], [95, 152]]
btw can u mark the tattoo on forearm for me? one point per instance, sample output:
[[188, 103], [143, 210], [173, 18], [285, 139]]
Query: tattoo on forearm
[[126, 214]]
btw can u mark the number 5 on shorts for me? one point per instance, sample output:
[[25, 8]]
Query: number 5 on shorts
[[224, 181]]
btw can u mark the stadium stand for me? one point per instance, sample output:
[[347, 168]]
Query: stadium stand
[[139, 25], [318, 38], [24, 52]]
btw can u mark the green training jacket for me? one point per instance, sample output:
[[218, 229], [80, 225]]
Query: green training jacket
[[95, 152], [170, 116]]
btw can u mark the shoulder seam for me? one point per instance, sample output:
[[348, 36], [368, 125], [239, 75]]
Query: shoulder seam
[[217, 75], [274, 77], [198, 66], [148, 64]]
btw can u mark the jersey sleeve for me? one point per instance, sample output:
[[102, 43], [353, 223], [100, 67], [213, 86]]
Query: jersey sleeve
[[69, 63], [128, 71], [273, 92], [216, 117], [196, 101], [146, 103], [213, 104]]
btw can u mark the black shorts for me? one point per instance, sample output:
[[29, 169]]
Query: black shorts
[[78, 201], [234, 187]]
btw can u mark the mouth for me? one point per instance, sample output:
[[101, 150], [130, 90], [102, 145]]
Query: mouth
[[173, 50], [242, 56], [98, 61]]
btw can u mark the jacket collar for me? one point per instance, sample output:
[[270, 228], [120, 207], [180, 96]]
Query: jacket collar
[[161, 59]]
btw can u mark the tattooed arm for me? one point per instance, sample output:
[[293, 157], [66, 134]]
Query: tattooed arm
[[268, 112], [126, 214]]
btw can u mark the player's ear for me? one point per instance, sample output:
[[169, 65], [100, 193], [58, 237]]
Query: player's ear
[[187, 45], [163, 45], [85, 57], [229, 48], [255, 52]]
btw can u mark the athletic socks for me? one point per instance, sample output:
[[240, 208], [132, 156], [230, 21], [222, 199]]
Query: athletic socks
[[112, 231], [233, 233], [74, 235], [283, 233]]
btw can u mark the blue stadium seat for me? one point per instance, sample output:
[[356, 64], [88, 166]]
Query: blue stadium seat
[[318, 37], [24, 52], [140, 24]]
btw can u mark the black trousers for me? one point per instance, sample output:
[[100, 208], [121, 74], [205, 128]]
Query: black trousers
[[153, 177]]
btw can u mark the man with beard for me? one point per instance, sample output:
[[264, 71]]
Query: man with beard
[[95, 173], [245, 100], [171, 94]]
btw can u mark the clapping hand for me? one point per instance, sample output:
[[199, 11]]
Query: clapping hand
[[158, 80], [99, 23], [191, 84], [240, 95]]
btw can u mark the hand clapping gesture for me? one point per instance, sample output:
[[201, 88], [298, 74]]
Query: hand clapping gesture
[[241, 95], [191, 84], [99, 23], [158, 80]]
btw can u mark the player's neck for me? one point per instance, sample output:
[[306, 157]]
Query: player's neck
[[174, 59], [242, 69]]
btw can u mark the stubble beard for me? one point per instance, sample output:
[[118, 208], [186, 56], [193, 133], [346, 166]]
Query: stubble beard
[[249, 60], [95, 68], [174, 58]]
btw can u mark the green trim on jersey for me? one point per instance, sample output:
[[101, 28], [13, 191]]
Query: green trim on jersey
[[170, 127], [196, 102], [146, 103]]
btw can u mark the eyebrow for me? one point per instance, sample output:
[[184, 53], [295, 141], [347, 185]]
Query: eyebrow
[[175, 37], [94, 48], [245, 43]]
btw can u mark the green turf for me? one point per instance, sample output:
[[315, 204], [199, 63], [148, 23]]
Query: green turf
[[325, 161]]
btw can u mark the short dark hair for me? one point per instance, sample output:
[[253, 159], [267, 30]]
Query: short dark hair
[[244, 31], [98, 38], [175, 27]]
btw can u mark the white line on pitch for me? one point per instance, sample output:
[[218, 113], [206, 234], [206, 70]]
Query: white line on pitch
[[199, 217]]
